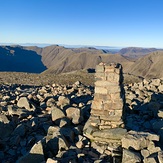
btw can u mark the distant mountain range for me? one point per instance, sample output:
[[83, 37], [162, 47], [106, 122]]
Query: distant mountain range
[[136, 52], [59, 59], [145, 62]]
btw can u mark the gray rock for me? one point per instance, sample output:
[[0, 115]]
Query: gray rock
[[63, 101], [80, 144], [64, 122], [19, 130], [52, 139], [49, 160], [53, 130], [155, 82], [99, 148], [6, 98], [160, 113], [160, 88], [56, 113], [50, 102], [134, 140], [23, 102], [89, 129], [3, 103], [131, 157], [62, 143], [74, 114], [77, 83], [114, 133], [3, 119], [145, 153], [150, 159], [131, 96], [36, 154], [153, 137], [152, 148]]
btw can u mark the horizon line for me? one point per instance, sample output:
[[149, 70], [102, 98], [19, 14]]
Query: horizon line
[[79, 45]]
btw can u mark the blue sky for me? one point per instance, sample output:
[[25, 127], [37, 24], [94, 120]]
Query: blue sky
[[83, 22]]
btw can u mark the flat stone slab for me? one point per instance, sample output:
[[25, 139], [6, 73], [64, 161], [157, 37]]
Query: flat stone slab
[[113, 133], [138, 140]]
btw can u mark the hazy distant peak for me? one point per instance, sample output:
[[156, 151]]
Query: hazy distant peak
[[136, 52]]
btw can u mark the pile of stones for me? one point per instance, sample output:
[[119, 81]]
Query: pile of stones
[[143, 120], [105, 124], [45, 124]]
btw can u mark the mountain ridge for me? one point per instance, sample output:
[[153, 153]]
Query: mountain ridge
[[136, 52], [149, 66], [57, 59], [18, 59]]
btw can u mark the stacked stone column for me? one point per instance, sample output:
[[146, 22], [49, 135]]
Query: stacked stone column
[[107, 106]]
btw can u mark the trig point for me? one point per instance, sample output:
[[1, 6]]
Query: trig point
[[105, 123]]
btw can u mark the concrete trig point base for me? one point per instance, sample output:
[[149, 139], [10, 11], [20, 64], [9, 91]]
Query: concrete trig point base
[[105, 123]]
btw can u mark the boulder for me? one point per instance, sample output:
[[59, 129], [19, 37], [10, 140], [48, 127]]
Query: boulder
[[145, 153], [155, 82], [134, 140], [74, 114], [130, 156], [19, 130], [152, 148], [62, 143], [56, 113], [36, 154], [24, 102], [63, 101]]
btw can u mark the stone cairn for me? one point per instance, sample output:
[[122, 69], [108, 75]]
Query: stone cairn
[[105, 124], [107, 105]]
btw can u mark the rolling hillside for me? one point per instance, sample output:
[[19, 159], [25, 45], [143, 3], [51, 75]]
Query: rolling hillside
[[59, 59], [136, 52], [149, 66]]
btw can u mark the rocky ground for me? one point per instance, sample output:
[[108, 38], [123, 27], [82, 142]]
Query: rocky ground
[[44, 79], [64, 78], [43, 122], [143, 120]]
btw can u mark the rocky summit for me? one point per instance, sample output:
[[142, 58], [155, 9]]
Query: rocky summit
[[60, 123]]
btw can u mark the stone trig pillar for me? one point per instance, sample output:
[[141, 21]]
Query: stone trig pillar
[[105, 123], [107, 105]]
